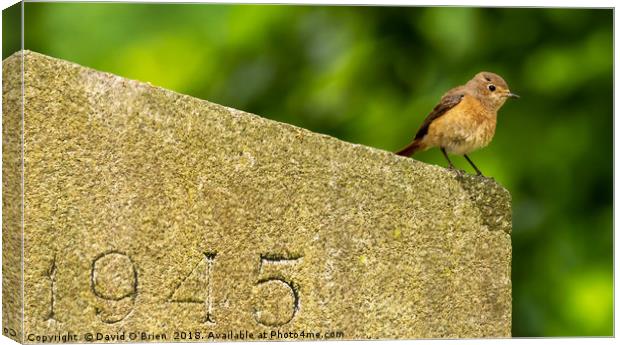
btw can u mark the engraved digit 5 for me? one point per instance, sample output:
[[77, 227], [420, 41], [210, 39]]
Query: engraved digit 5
[[114, 279], [277, 316]]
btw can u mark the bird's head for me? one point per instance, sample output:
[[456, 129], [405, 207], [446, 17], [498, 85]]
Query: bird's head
[[491, 88]]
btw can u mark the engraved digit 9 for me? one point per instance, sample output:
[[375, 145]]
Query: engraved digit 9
[[114, 280]]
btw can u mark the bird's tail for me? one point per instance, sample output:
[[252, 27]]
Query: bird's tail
[[410, 149]]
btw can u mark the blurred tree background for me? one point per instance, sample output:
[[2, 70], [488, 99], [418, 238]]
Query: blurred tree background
[[370, 75]]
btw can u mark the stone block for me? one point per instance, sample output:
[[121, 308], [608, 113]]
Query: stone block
[[149, 215]]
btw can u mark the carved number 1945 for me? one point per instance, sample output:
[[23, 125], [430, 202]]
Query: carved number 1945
[[114, 281]]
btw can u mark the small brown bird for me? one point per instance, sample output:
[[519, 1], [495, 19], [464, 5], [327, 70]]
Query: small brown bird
[[464, 120]]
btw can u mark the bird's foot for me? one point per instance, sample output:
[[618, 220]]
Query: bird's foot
[[478, 172], [480, 175], [486, 177], [457, 171]]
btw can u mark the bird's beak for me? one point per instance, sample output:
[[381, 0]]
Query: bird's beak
[[512, 95]]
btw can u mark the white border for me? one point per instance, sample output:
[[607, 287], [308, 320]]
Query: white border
[[478, 3]]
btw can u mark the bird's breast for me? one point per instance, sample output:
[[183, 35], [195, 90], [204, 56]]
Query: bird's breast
[[464, 128]]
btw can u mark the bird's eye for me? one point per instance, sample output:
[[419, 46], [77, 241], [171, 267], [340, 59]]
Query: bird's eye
[[491, 87]]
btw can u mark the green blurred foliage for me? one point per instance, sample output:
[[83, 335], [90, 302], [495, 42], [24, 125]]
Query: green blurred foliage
[[370, 75], [11, 29]]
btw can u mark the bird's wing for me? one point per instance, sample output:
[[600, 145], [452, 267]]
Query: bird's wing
[[448, 101]]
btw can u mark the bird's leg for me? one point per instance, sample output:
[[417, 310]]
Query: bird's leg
[[474, 166], [450, 165]]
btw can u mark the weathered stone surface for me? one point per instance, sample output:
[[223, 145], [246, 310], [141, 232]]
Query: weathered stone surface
[[12, 239], [150, 211]]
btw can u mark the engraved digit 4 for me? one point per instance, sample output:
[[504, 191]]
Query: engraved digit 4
[[198, 277]]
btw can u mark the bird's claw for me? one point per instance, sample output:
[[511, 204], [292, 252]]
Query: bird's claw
[[457, 171]]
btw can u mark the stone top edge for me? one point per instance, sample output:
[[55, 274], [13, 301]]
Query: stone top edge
[[471, 183]]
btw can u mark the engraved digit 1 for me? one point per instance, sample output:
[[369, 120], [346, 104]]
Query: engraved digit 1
[[210, 257], [183, 293], [114, 279], [51, 274], [275, 317]]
